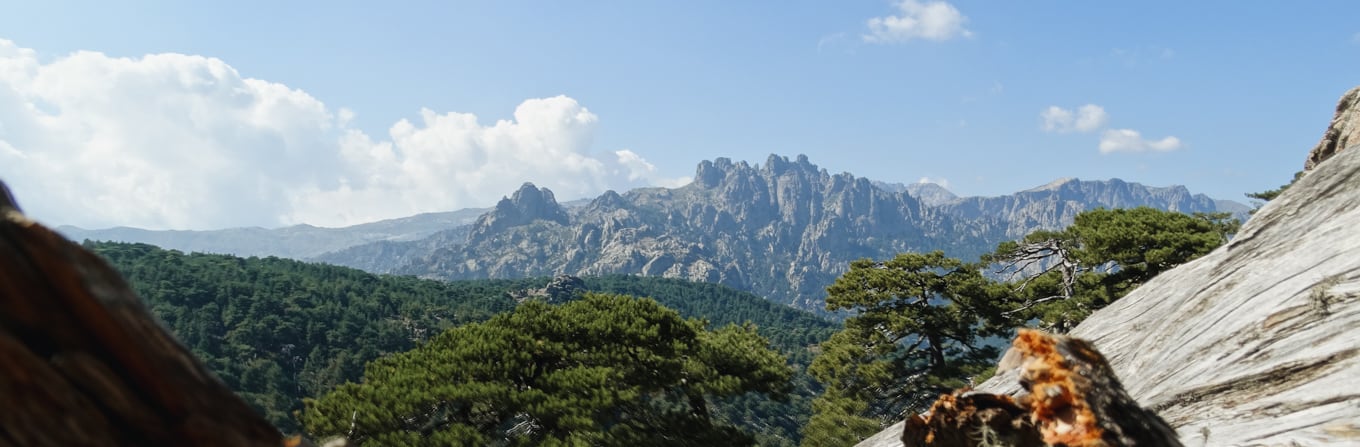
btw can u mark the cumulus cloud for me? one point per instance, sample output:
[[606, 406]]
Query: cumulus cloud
[[1087, 118], [1128, 140], [183, 141], [1092, 118], [932, 20]]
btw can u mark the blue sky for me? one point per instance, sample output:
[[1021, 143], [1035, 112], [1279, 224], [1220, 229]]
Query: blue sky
[[180, 115]]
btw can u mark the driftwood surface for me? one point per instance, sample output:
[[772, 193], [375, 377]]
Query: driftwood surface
[[83, 363]]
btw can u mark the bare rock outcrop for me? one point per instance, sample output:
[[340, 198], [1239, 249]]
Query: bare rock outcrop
[[1343, 132], [82, 362]]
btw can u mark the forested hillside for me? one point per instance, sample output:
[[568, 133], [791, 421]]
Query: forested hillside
[[278, 330]]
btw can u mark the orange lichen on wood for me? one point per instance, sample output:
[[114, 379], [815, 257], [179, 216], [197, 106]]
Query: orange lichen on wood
[[971, 419], [1058, 389], [1073, 399]]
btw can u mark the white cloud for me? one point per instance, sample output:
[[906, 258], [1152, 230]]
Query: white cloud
[[943, 182], [1127, 140], [635, 168], [932, 20], [182, 141], [1091, 118], [1087, 118]]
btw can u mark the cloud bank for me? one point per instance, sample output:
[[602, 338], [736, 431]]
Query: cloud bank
[[183, 141], [1091, 118], [934, 20]]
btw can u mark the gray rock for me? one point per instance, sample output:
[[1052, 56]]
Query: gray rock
[[1344, 130], [1255, 343], [784, 230], [930, 193]]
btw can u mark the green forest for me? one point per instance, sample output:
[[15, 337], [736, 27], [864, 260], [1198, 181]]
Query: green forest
[[277, 331], [627, 360]]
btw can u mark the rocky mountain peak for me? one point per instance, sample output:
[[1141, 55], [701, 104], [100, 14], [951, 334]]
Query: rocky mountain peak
[[777, 165], [528, 204], [929, 193], [1054, 185], [610, 200], [723, 171], [534, 203]]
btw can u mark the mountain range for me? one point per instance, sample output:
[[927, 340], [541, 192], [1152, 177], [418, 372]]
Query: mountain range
[[297, 241], [783, 230]]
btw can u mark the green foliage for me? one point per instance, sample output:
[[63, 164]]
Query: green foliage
[[922, 321], [1101, 257], [240, 316], [793, 332], [604, 370], [837, 422], [1268, 195], [276, 330], [917, 331], [789, 329]]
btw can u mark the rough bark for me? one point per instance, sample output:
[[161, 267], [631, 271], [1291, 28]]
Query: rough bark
[[82, 362]]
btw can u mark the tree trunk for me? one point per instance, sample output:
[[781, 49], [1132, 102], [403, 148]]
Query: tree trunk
[[936, 351]]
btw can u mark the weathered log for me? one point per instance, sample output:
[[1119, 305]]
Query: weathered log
[[83, 363], [1073, 399]]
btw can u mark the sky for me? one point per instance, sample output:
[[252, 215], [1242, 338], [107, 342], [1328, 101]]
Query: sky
[[205, 115]]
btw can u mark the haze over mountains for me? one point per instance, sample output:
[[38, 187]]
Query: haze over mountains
[[784, 230], [298, 241]]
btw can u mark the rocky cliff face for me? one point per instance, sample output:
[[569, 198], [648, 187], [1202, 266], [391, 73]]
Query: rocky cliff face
[[785, 229], [1255, 343], [1344, 131]]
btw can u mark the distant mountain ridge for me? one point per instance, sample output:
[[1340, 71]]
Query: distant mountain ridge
[[297, 241], [784, 230]]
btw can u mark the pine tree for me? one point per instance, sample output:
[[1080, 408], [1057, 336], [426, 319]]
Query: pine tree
[[604, 370]]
